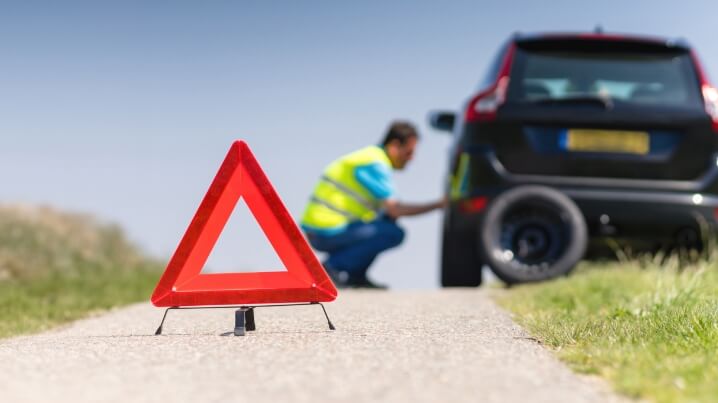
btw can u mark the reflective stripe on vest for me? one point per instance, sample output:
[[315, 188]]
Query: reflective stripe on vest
[[330, 207], [354, 195], [339, 197]]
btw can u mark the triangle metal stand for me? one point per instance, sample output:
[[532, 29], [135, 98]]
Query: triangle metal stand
[[243, 316]]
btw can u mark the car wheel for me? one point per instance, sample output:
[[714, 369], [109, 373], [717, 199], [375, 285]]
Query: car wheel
[[460, 263], [532, 233]]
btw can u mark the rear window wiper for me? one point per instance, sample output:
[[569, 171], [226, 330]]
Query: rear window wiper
[[605, 102]]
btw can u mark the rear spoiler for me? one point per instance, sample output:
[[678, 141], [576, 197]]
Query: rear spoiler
[[601, 42]]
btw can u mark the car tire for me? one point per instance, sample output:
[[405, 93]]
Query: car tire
[[532, 233], [460, 263]]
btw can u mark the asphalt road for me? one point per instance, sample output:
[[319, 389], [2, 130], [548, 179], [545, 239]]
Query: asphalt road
[[421, 346]]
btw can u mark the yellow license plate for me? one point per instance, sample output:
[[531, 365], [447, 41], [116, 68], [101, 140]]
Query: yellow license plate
[[608, 141]]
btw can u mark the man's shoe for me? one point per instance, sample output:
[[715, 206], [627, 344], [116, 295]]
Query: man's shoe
[[343, 279], [339, 278], [366, 283]]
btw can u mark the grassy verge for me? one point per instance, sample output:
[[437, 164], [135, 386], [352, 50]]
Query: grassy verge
[[651, 330], [32, 305], [57, 267]]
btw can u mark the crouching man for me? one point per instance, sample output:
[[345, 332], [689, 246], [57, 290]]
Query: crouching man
[[353, 211]]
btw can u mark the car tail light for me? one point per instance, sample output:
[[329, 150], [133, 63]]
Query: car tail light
[[710, 93], [474, 205], [485, 104], [710, 97]]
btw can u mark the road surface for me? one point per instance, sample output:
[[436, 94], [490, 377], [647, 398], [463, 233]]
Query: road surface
[[413, 346]]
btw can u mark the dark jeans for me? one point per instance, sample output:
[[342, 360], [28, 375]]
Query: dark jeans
[[354, 249]]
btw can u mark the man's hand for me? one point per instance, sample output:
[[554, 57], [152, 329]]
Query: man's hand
[[396, 209]]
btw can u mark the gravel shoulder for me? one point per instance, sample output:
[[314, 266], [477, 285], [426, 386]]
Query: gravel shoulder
[[418, 346]]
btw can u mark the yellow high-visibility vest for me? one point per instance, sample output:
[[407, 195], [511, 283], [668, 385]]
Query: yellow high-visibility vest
[[339, 198]]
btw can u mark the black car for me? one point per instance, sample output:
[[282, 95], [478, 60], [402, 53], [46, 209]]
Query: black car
[[573, 139]]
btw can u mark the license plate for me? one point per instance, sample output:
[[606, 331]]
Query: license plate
[[608, 141]]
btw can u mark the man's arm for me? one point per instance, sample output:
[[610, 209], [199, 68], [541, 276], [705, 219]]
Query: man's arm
[[396, 209], [376, 178]]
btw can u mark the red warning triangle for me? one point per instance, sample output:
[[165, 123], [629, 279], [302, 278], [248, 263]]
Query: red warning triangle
[[183, 284]]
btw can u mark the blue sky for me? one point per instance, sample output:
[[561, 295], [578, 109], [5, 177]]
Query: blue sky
[[125, 109]]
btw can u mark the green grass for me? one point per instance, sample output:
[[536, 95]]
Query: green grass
[[32, 305], [56, 267], [649, 328]]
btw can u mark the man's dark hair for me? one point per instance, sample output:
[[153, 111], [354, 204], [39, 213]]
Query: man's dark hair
[[401, 131]]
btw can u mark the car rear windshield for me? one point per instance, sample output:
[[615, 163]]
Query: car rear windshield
[[664, 77]]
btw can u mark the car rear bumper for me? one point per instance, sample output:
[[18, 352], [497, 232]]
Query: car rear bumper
[[491, 171], [660, 216], [651, 210], [616, 213]]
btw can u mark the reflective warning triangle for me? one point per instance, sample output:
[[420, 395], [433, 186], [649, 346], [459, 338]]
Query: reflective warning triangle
[[183, 283]]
